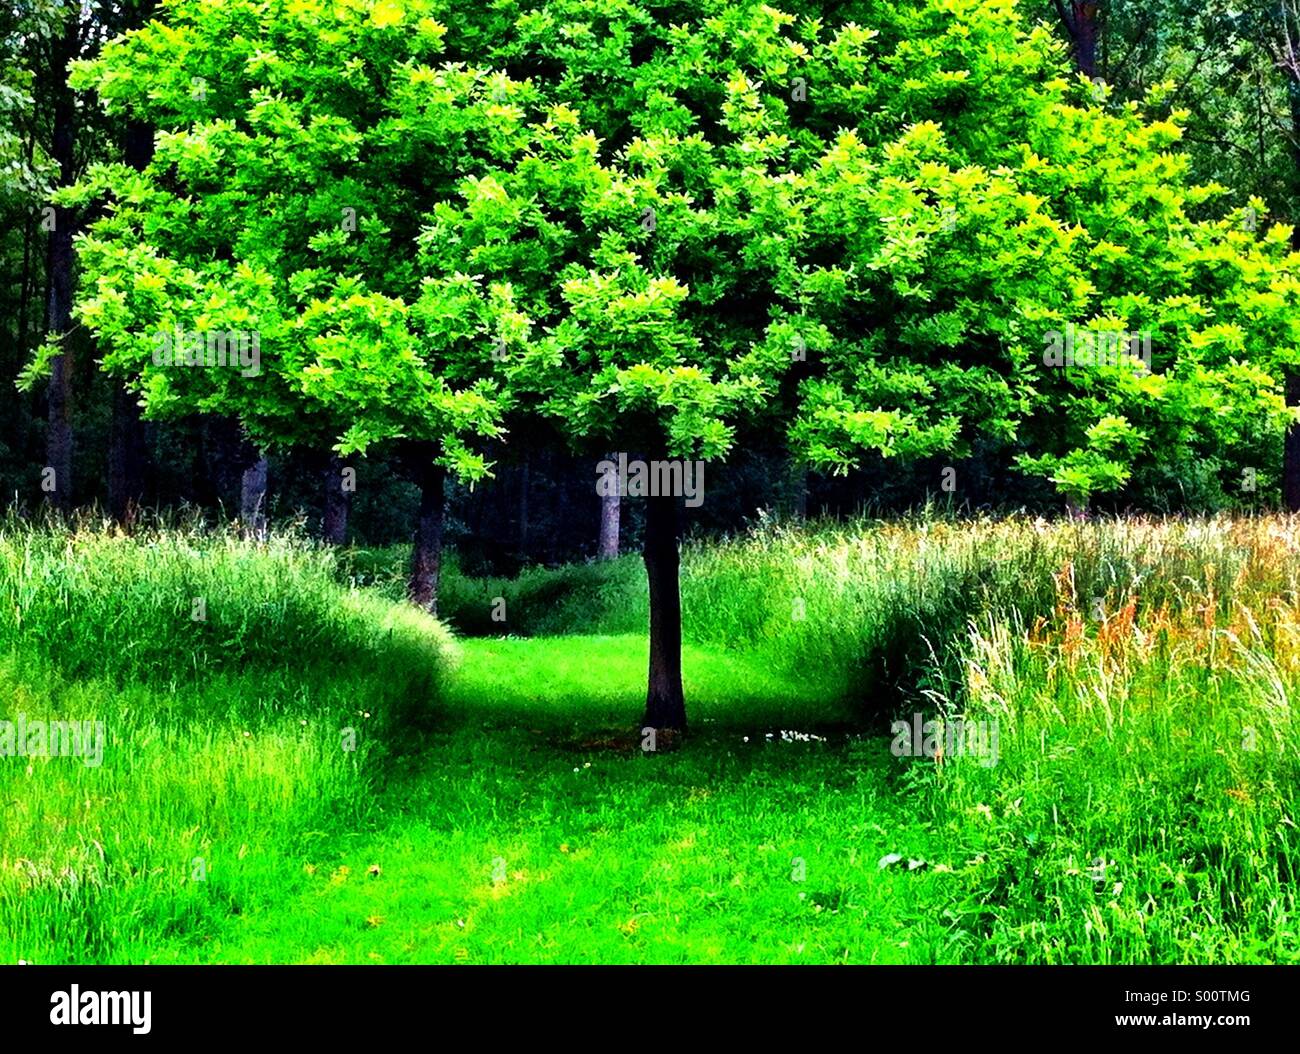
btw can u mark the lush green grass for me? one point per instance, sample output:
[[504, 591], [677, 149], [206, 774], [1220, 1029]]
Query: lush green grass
[[1142, 808], [533, 828], [229, 738]]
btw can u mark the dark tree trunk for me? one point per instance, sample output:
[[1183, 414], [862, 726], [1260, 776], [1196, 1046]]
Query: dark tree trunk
[[426, 553], [610, 507], [1084, 15], [126, 457], [225, 456], [665, 706], [252, 498], [17, 424], [58, 311], [523, 509], [1082, 23], [338, 501]]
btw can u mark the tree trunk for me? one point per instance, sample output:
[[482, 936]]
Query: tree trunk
[[665, 706], [338, 501], [1084, 14], [58, 311], [523, 510], [126, 457], [252, 498], [426, 553], [799, 476], [610, 506]]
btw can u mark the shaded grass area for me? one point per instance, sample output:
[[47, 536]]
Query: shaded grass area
[[593, 684]]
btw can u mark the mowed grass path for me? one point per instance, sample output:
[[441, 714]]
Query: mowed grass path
[[532, 828]]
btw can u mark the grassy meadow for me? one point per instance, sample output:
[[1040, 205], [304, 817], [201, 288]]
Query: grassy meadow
[[302, 768]]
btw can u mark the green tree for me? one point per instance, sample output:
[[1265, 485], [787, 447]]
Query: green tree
[[864, 234], [661, 227], [298, 146]]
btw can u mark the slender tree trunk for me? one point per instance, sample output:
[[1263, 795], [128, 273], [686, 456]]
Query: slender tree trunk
[[252, 498], [25, 288], [523, 509], [610, 507], [338, 500], [665, 706], [126, 457], [426, 553], [25, 298], [58, 312], [799, 478], [17, 424]]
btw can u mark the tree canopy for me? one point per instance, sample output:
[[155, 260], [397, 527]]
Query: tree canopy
[[867, 227]]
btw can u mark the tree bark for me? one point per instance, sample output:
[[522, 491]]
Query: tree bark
[[426, 553], [665, 706], [1084, 14], [58, 311], [338, 502], [252, 498], [610, 507], [1081, 22], [523, 509], [126, 458]]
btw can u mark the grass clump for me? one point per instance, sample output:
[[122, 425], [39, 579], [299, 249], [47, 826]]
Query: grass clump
[[229, 741]]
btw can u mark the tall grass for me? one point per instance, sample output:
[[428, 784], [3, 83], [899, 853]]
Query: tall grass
[[232, 738], [1142, 673]]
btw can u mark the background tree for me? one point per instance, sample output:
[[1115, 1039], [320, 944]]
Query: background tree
[[287, 179]]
